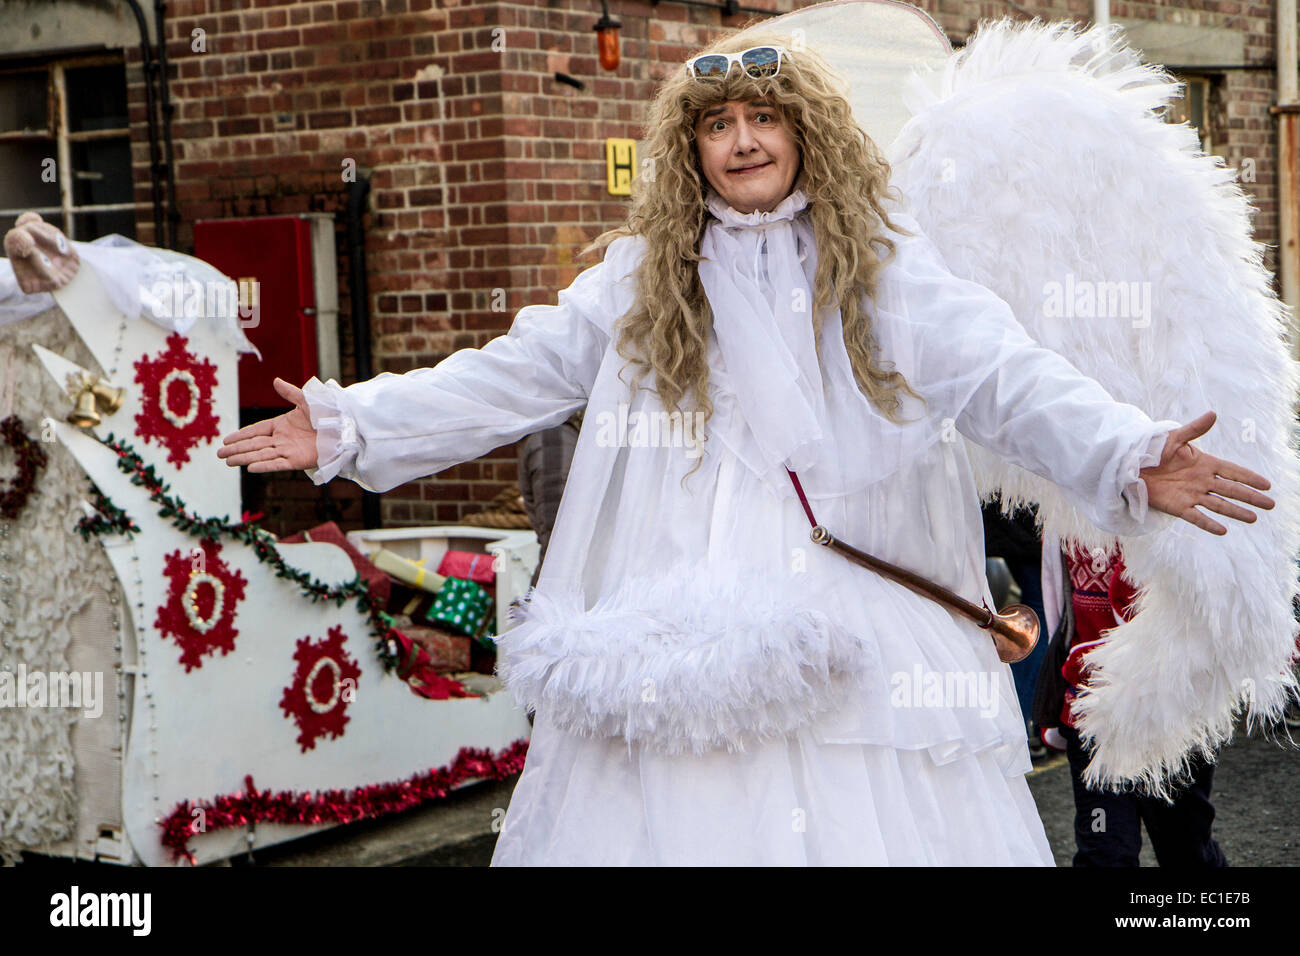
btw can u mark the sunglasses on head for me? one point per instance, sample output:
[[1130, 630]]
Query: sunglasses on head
[[758, 62]]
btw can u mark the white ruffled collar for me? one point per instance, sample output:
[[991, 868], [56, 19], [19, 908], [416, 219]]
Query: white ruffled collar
[[752, 270], [787, 209]]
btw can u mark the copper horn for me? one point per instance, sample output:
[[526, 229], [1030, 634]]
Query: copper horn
[[1014, 630]]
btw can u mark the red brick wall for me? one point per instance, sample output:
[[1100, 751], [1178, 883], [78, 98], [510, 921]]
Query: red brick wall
[[486, 173]]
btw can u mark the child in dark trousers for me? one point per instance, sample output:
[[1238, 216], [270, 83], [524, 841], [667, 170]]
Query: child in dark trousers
[[1108, 826]]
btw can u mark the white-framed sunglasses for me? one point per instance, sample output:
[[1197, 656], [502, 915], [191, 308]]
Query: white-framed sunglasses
[[758, 62]]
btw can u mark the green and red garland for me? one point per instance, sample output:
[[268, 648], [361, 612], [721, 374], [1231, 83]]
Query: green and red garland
[[107, 519], [393, 647], [31, 459]]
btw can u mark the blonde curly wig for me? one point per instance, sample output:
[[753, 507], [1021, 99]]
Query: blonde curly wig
[[845, 178]]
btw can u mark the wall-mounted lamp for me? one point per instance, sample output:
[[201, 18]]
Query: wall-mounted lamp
[[607, 38]]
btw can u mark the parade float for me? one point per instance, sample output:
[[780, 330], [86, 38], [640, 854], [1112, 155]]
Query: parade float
[[183, 687]]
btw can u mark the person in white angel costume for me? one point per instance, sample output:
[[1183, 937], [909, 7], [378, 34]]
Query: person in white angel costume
[[709, 687]]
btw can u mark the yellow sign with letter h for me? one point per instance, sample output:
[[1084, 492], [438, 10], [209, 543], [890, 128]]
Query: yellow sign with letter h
[[620, 166]]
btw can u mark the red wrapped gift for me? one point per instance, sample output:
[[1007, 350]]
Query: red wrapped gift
[[468, 565], [447, 652], [330, 533], [419, 673]]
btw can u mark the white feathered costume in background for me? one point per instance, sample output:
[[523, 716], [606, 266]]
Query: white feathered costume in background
[[1038, 163]]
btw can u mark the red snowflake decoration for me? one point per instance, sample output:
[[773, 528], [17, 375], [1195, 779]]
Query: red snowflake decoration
[[176, 400], [199, 612], [323, 686]]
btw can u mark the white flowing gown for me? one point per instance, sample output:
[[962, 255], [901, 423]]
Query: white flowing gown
[[710, 687]]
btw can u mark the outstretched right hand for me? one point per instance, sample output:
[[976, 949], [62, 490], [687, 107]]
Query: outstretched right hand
[[284, 443]]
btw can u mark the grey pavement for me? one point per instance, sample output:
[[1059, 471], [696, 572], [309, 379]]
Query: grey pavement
[[1256, 798], [457, 830], [1256, 795]]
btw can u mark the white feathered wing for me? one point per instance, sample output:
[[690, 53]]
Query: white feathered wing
[[1037, 163]]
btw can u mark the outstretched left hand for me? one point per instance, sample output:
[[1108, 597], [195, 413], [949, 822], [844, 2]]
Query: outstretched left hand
[[1187, 478]]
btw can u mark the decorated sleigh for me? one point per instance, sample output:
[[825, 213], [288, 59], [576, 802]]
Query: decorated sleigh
[[250, 690]]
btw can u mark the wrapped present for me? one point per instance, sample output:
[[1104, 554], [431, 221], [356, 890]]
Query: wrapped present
[[330, 533], [460, 606], [469, 565], [447, 651], [407, 601], [407, 571], [418, 671]]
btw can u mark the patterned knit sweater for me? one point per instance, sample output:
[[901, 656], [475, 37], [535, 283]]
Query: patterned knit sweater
[[1102, 599]]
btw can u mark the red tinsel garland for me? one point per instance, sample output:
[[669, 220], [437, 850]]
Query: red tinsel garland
[[31, 459], [334, 806]]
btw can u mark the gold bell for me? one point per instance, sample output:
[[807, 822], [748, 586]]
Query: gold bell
[[107, 398], [84, 415]]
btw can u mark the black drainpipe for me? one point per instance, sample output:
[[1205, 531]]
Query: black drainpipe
[[150, 67], [165, 102], [358, 191]]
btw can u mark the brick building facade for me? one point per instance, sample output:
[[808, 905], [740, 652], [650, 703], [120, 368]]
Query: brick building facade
[[487, 173]]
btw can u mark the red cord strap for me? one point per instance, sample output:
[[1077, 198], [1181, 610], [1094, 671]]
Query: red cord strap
[[803, 499]]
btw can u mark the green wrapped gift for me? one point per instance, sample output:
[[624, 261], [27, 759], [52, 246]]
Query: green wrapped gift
[[461, 606]]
